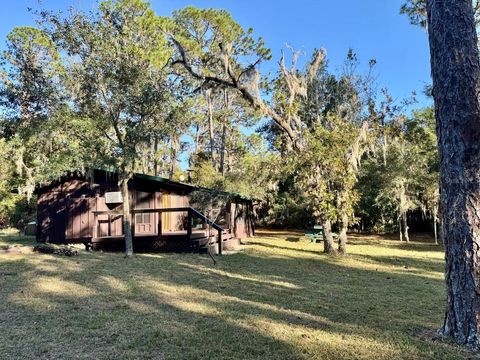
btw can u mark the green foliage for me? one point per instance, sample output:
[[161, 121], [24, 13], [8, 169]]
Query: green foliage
[[15, 208], [250, 175], [416, 10], [329, 111], [114, 61], [405, 179], [210, 34]]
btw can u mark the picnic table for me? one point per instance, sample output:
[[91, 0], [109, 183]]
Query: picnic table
[[316, 234]]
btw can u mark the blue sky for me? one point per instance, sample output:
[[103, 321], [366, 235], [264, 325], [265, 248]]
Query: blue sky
[[373, 28]]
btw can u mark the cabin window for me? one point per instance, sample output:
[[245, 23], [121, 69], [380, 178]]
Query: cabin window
[[143, 221], [142, 218]]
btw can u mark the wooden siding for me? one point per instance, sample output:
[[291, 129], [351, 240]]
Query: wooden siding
[[79, 218], [65, 212], [174, 221]]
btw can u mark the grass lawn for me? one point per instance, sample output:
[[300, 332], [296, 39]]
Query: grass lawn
[[280, 298]]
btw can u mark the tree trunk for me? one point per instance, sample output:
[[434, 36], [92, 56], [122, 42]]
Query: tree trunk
[[210, 127], [197, 139], [400, 231], [435, 224], [222, 149], [224, 131], [155, 157], [440, 227], [405, 227], [456, 84], [342, 236], [173, 156], [127, 218], [328, 246], [384, 147]]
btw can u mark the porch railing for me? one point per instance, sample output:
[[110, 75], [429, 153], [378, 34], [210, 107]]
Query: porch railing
[[192, 213]]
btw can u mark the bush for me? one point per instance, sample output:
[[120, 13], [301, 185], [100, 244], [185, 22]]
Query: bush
[[56, 249], [16, 210]]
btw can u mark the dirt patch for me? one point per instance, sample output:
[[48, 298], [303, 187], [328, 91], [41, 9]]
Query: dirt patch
[[16, 249]]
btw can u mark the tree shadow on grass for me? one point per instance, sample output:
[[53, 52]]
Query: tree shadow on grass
[[292, 239], [251, 305], [271, 246], [55, 314], [426, 264], [418, 246], [266, 233]]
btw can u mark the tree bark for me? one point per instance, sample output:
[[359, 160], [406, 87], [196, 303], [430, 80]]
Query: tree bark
[[342, 236], [435, 223], [440, 227], [155, 157], [400, 231], [173, 156], [127, 218], [404, 228], [328, 246], [197, 139], [222, 149], [226, 102], [210, 127], [456, 85]]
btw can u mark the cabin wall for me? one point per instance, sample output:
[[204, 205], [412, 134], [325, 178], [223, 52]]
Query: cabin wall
[[116, 224], [174, 221], [65, 212]]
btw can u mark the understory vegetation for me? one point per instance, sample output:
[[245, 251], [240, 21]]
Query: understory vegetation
[[279, 298]]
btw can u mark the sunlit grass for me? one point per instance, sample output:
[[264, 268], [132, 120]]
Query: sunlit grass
[[280, 298]]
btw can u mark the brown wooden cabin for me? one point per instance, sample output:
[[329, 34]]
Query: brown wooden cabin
[[166, 215]]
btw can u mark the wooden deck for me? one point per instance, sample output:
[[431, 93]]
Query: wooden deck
[[172, 240], [192, 237]]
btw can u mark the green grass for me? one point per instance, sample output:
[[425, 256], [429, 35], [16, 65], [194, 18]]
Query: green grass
[[280, 298]]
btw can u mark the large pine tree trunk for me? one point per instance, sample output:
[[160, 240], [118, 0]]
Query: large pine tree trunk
[[456, 85]]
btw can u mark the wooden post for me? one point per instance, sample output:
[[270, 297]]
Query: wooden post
[[159, 223], [219, 242], [95, 225], [109, 225], [133, 224], [189, 224]]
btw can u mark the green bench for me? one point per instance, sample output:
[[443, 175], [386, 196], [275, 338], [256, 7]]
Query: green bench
[[316, 234]]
